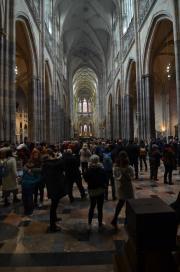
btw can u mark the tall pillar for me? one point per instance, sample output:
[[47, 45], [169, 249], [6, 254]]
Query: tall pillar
[[2, 37], [127, 117], [12, 92], [177, 55], [33, 110], [6, 114], [138, 71], [148, 113]]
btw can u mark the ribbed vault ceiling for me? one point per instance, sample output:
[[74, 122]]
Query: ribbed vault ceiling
[[86, 34]]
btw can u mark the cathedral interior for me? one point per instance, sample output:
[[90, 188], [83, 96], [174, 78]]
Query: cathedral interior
[[85, 69]]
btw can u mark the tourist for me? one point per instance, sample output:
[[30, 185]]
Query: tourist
[[96, 178], [123, 174]]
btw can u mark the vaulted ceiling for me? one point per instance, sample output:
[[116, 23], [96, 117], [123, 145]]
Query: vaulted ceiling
[[86, 27], [86, 31]]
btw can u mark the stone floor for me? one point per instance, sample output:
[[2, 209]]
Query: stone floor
[[25, 244]]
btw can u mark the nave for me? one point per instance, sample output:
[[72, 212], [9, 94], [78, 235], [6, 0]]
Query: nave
[[26, 246]]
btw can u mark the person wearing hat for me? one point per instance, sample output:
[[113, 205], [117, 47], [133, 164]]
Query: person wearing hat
[[96, 179]]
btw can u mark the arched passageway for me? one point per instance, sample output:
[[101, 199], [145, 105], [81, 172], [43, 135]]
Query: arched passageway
[[84, 107], [24, 83], [163, 103]]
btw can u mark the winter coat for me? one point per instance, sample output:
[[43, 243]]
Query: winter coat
[[53, 177], [9, 180], [96, 179], [169, 158], [71, 167], [85, 154], [133, 152], [123, 184]]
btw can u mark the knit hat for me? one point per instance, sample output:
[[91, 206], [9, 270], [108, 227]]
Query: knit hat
[[94, 159]]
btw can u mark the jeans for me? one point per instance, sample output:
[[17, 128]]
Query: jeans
[[99, 200]]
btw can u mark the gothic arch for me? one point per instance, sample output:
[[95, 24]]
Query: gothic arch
[[26, 23], [26, 79], [160, 66], [157, 18]]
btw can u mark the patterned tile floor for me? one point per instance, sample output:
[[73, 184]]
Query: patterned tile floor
[[25, 244]]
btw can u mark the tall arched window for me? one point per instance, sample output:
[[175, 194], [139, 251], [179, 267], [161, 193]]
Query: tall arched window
[[85, 106], [127, 13], [85, 129], [49, 14], [80, 106], [89, 106]]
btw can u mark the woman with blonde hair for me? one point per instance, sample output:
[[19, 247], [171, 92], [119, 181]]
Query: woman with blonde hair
[[123, 174]]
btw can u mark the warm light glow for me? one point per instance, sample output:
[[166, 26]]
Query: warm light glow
[[16, 70], [163, 128]]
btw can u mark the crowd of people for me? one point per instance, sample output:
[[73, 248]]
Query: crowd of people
[[96, 162]]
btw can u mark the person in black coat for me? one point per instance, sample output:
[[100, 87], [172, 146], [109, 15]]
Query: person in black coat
[[97, 179], [53, 177], [132, 150], [72, 174]]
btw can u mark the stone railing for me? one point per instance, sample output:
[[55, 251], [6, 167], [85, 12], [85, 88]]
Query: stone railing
[[35, 10], [128, 37], [144, 8]]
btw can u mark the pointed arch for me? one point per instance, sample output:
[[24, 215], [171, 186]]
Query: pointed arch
[[28, 30], [131, 92], [159, 66], [26, 77], [157, 18]]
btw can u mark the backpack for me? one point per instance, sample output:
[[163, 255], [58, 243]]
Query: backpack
[[107, 161]]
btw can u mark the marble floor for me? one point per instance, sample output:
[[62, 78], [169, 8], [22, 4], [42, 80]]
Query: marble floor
[[25, 244]]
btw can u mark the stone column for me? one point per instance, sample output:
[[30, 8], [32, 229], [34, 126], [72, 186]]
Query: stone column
[[148, 113], [2, 37], [6, 114], [177, 55], [42, 72], [138, 71], [12, 91], [122, 118], [33, 117], [126, 117], [62, 124]]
